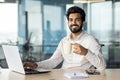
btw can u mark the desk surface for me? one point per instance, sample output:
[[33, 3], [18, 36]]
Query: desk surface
[[58, 74]]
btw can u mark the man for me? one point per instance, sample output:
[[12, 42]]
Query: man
[[86, 51]]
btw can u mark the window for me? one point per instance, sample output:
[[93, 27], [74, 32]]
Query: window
[[104, 22], [8, 22]]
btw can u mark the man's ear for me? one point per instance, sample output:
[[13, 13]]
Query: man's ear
[[84, 22]]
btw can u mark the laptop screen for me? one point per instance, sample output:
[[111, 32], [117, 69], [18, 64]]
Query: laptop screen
[[13, 58]]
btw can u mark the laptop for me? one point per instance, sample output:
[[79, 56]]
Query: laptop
[[14, 61]]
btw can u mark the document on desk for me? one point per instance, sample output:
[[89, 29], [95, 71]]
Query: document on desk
[[0, 69], [76, 75]]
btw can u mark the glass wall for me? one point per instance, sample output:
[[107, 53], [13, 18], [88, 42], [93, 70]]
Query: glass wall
[[8, 27], [8, 23], [39, 25], [104, 23], [54, 29], [44, 27], [48, 25], [101, 23]]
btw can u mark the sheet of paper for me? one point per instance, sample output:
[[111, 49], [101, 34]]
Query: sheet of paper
[[0, 68], [76, 75]]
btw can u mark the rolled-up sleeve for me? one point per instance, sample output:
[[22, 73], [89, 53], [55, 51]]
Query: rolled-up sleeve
[[95, 55]]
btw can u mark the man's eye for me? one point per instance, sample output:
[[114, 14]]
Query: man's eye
[[78, 19], [70, 20]]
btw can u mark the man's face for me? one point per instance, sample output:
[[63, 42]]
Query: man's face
[[75, 23]]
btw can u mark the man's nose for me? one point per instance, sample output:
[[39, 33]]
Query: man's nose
[[74, 21]]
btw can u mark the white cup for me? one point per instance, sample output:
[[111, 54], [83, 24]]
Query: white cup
[[67, 47]]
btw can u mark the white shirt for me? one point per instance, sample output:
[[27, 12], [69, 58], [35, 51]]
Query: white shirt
[[94, 56]]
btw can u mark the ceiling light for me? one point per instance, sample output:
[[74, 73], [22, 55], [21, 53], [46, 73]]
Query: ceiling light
[[87, 1], [2, 1]]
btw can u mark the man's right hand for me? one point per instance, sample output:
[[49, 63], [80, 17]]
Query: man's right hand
[[30, 65]]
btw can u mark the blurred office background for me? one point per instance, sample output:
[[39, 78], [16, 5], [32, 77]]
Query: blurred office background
[[37, 26]]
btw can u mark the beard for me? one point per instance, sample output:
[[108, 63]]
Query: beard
[[76, 29]]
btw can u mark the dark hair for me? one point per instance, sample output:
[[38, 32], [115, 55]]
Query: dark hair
[[76, 9]]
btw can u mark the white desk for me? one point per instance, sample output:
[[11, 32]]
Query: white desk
[[58, 74]]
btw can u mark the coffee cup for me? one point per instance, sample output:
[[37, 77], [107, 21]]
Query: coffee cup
[[67, 47]]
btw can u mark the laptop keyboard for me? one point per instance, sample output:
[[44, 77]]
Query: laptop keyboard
[[31, 71]]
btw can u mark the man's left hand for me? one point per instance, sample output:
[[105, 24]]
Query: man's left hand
[[78, 49]]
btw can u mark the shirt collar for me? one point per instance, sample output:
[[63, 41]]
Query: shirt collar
[[78, 37]]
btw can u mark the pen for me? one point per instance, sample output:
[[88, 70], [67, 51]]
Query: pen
[[74, 74]]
